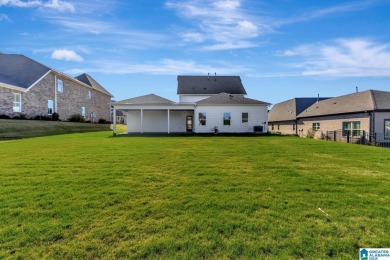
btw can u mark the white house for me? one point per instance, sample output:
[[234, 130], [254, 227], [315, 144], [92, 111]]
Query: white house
[[206, 103]]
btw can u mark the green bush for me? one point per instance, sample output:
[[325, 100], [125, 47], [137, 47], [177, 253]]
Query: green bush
[[76, 118]]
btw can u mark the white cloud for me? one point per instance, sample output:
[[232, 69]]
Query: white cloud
[[4, 17], [220, 23], [59, 5], [161, 67], [66, 55], [342, 58]]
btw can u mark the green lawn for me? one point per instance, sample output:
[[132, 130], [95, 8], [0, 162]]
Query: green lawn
[[94, 196], [11, 129]]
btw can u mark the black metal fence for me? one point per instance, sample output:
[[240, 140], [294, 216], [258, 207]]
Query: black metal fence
[[358, 137]]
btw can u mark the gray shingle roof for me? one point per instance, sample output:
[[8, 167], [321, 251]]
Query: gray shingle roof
[[20, 71], [204, 85], [150, 99], [87, 79], [370, 100], [230, 99], [289, 109]]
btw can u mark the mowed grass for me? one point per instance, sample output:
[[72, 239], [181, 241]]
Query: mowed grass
[[93, 196], [11, 129]]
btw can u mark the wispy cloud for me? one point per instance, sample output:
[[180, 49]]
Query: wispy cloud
[[4, 17], [58, 5], [67, 55], [325, 12], [160, 67], [357, 57], [220, 23]]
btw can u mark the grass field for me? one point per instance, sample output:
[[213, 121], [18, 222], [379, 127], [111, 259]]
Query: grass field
[[11, 129], [94, 196]]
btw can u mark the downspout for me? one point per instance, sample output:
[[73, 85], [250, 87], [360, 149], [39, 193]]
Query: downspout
[[55, 93]]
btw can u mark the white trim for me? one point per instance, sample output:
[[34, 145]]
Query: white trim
[[12, 87], [168, 120], [142, 121], [47, 73], [114, 123], [55, 93]]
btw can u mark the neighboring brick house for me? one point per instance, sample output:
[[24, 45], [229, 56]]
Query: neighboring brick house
[[282, 118], [350, 116], [32, 89]]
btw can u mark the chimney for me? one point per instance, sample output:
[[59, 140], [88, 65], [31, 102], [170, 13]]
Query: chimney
[[215, 76], [357, 89]]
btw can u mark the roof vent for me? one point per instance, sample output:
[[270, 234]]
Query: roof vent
[[208, 76], [357, 89], [215, 76]]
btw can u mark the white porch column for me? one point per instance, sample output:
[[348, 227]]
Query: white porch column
[[168, 121], [114, 121], [142, 121]]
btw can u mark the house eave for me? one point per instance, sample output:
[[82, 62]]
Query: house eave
[[4, 85]]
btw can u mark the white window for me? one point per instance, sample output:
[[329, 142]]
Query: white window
[[351, 129], [226, 118], [83, 111], [244, 118], [89, 94], [50, 107], [316, 126], [387, 128], [202, 118], [17, 104], [60, 85]]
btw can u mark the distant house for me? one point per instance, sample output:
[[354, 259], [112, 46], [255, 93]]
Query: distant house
[[348, 116], [206, 103], [282, 118], [32, 89]]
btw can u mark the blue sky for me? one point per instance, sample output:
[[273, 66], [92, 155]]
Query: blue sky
[[280, 48]]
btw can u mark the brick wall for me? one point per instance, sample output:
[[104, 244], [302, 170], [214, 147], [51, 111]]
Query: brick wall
[[331, 123], [69, 102], [285, 127]]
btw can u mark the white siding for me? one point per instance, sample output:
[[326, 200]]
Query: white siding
[[192, 98], [178, 120], [156, 121], [134, 121], [380, 121], [257, 115]]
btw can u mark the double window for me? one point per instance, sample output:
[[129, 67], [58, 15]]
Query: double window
[[226, 118], [351, 129], [202, 118], [17, 103], [316, 126]]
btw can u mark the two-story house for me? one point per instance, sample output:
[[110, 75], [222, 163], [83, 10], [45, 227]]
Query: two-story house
[[206, 103], [32, 89]]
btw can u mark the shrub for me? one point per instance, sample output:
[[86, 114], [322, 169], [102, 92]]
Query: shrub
[[310, 133], [4, 117], [55, 116], [102, 121], [20, 117], [76, 118]]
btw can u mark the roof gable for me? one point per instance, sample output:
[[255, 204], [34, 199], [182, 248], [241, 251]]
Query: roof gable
[[289, 109], [150, 99], [230, 99], [351, 103], [87, 79], [20, 71], [206, 85]]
